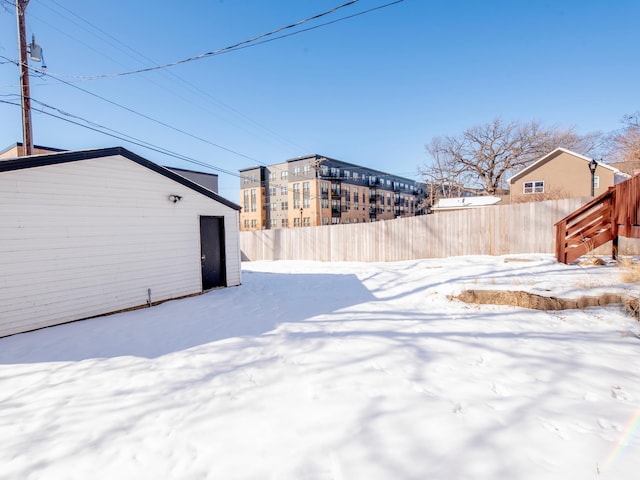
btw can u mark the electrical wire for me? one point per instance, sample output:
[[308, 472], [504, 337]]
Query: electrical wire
[[237, 46], [241, 45], [127, 49], [127, 138], [147, 117]]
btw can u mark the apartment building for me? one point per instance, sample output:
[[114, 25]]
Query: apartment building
[[315, 190]]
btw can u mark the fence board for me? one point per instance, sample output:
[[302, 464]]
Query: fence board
[[495, 230]]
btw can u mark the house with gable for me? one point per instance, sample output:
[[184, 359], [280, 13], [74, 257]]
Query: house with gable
[[562, 174]]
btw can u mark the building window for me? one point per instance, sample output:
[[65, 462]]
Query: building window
[[346, 220], [305, 170], [306, 203], [296, 188], [296, 222], [533, 187], [324, 170], [285, 222], [284, 205], [355, 220], [284, 190], [306, 221], [305, 188], [274, 223], [325, 221], [347, 174], [254, 223], [246, 223], [324, 187], [296, 171], [296, 203], [324, 202], [284, 174], [272, 191], [335, 220], [274, 206], [272, 175]]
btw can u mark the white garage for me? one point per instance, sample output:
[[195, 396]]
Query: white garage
[[93, 232]]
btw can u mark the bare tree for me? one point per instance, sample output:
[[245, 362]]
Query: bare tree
[[624, 144], [482, 157]]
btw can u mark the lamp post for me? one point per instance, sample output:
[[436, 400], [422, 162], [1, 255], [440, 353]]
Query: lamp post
[[301, 210], [592, 168]]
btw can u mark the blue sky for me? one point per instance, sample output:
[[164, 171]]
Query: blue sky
[[369, 90]]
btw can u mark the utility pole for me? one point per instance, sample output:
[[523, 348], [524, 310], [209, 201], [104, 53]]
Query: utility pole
[[21, 6]]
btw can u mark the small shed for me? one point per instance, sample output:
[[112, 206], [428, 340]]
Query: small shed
[[92, 232], [463, 203]]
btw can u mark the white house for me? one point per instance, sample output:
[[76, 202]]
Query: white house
[[93, 232]]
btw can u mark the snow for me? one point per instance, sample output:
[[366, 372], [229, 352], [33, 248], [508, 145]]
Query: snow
[[335, 371]]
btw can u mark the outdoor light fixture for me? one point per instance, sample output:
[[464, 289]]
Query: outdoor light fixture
[[175, 198], [592, 168]]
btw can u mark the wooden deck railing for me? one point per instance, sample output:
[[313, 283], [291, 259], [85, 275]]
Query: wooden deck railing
[[612, 214]]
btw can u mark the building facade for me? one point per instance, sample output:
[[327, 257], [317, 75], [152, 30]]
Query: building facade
[[562, 174], [315, 190]]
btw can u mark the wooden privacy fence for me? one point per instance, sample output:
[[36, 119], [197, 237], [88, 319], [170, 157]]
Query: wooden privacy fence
[[496, 230]]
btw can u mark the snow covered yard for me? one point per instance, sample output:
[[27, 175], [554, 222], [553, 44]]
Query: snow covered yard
[[335, 371]]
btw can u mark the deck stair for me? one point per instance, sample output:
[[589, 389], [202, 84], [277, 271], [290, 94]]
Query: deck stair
[[611, 215]]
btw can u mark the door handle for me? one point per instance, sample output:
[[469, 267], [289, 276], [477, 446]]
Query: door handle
[[203, 258]]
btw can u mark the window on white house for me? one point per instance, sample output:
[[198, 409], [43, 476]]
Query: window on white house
[[534, 187]]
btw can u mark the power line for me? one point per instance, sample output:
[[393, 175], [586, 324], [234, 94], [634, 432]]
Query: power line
[[114, 40], [130, 139], [241, 45], [147, 117], [135, 140]]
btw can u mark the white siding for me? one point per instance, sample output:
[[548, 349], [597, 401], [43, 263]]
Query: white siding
[[90, 237]]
